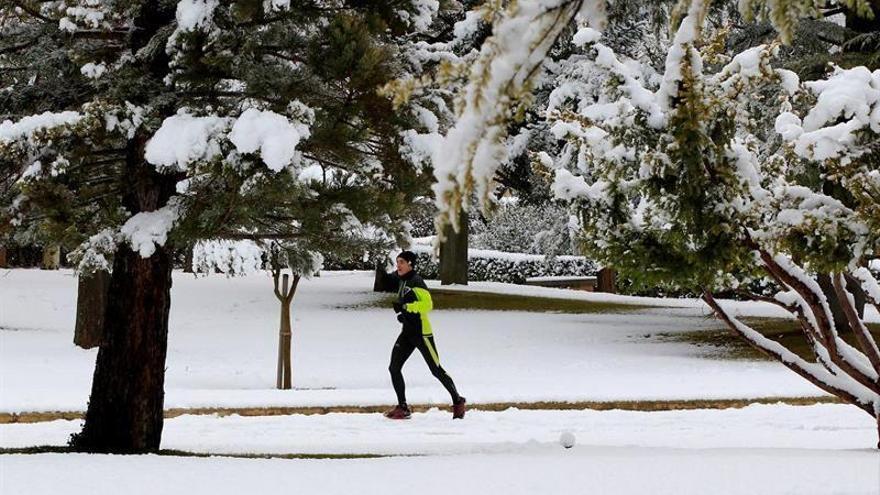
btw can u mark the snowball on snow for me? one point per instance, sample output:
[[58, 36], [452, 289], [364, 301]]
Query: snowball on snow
[[567, 439]]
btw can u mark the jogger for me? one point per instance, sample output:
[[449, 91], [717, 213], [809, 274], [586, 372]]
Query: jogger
[[412, 307]]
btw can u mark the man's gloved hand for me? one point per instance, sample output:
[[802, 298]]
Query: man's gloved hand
[[398, 308], [400, 317]]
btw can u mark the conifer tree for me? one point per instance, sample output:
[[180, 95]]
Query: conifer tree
[[134, 129], [678, 182]]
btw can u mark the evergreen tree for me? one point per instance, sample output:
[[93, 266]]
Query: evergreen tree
[[678, 181], [135, 129]]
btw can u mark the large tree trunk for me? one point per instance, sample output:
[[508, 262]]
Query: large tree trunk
[[91, 306], [454, 253], [126, 403]]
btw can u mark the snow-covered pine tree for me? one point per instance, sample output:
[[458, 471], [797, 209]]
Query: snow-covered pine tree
[[677, 187], [135, 128]]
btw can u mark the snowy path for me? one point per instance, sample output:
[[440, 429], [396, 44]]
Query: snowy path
[[224, 331], [772, 449], [774, 426]]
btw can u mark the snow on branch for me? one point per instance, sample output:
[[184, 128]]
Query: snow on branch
[[500, 81], [851, 361], [273, 135], [839, 384], [848, 102], [149, 229], [683, 54], [232, 257], [26, 128], [869, 284], [864, 337], [185, 139]]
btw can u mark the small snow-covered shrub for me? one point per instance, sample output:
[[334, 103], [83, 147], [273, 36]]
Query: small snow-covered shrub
[[530, 229]]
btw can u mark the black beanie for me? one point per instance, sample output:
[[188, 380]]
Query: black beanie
[[408, 256]]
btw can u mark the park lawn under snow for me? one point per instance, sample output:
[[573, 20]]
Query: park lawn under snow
[[223, 344], [535, 470], [222, 354], [776, 449]]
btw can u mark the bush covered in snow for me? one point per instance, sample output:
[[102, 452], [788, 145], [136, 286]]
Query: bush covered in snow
[[532, 229], [677, 181], [485, 265], [498, 266]]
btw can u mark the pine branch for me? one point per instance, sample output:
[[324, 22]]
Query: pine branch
[[21, 46], [834, 11], [259, 236], [32, 12]]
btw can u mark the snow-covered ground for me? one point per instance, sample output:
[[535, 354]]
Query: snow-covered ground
[[223, 344], [776, 426], [222, 353], [532, 471], [761, 449]]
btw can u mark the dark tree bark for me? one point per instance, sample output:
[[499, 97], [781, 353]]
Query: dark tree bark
[[3, 261], [841, 323], [125, 413], [188, 260], [454, 254], [379, 284], [91, 306]]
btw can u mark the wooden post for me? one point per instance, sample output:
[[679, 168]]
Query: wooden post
[[91, 304], [284, 293], [3, 262], [379, 278], [605, 281]]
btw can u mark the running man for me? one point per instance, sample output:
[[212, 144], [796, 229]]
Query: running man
[[412, 307]]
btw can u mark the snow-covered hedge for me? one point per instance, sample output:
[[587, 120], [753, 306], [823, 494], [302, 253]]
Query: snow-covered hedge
[[486, 265], [498, 266]]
